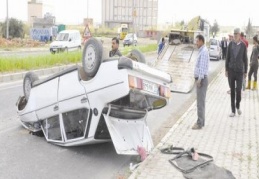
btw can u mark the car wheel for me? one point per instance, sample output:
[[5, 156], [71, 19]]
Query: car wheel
[[28, 80], [53, 52], [79, 48], [137, 56], [66, 49], [92, 56]]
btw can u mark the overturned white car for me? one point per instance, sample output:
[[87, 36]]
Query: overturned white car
[[105, 99]]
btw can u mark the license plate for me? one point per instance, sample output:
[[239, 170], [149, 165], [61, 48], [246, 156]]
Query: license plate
[[150, 87]]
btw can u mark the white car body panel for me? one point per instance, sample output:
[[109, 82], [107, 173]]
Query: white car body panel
[[69, 86]]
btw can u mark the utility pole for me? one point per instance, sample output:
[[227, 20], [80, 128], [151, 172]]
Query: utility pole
[[7, 21], [87, 9]]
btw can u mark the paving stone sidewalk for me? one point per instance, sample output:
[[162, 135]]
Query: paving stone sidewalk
[[233, 142]]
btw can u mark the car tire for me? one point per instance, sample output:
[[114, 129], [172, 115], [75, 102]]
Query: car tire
[[92, 56], [28, 80], [137, 56]]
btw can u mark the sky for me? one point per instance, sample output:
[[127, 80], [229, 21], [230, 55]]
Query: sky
[[226, 12]]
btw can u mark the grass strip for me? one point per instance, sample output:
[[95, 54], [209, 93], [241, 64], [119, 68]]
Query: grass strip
[[16, 63]]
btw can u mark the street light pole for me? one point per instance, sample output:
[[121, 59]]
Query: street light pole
[[7, 21]]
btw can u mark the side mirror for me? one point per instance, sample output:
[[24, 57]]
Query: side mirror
[[69, 40]]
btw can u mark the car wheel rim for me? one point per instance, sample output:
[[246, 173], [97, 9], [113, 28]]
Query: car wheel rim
[[27, 86], [90, 57]]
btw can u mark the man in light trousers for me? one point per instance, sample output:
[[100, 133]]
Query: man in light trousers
[[201, 79]]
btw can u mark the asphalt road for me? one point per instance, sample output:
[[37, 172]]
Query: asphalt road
[[27, 156]]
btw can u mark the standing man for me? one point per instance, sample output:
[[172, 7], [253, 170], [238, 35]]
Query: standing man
[[244, 39], [253, 64], [231, 38], [161, 46], [236, 70], [115, 48], [224, 46], [201, 79]]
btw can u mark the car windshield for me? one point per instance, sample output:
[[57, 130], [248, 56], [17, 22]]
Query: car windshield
[[213, 42], [62, 37], [129, 36], [124, 29]]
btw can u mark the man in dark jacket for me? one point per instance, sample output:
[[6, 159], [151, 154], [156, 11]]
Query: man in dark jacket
[[224, 46], [236, 70], [115, 48]]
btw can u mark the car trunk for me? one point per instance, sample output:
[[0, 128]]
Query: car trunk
[[126, 121]]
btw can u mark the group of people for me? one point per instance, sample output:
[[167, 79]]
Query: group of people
[[236, 67]]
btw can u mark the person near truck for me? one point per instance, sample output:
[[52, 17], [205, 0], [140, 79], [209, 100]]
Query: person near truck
[[236, 70], [201, 79], [115, 48], [243, 38], [253, 64], [161, 46], [224, 47]]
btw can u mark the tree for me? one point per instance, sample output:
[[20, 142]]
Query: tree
[[16, 28], [215, 28], [182, 23], [249, 29], [179, 25]]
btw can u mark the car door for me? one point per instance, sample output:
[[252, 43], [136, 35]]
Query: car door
[[73, 107], [72, 43], [48, 109]]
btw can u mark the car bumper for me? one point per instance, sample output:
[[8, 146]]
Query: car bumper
[[127, 43], [56, 49], [214, 55]]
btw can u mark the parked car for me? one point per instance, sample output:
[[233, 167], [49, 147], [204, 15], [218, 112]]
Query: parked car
[[215, 50], [102, 100], [130, 39], [66, 40]]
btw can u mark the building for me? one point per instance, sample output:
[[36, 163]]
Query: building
[[46, 22], [38, 10], [140, 15], [35, 10]]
